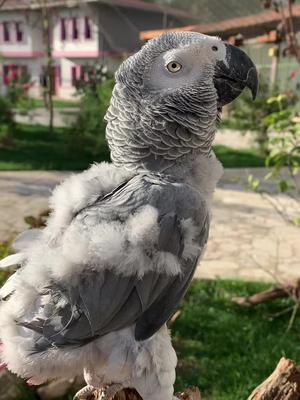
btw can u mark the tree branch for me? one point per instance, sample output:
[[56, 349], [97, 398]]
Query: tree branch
[[282, 384], [289, 290]]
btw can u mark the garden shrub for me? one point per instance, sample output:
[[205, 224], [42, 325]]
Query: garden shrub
[[249, 115], [95, 91], [6, 121]]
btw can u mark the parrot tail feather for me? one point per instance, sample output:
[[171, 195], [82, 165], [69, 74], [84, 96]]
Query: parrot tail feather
[[13, 259]]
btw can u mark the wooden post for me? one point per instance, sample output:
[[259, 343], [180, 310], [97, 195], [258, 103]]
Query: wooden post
[[282, 384]]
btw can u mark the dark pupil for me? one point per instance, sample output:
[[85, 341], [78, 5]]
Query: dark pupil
[[174, 65], [214, 48]]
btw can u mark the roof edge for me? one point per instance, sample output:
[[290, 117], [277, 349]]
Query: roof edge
[[223, 26], [136, 4]]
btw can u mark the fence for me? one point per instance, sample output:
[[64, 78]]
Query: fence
[[283, 72]]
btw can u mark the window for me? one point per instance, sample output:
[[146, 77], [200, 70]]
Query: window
[[58, 74], [15, 73], [84, 73], [75, 32], [6, 32], [73, 75], [87, 28], [6, 74], [63, 29], [19, 31]]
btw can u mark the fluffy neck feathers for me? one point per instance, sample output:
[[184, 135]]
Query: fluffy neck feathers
[[154, 135]]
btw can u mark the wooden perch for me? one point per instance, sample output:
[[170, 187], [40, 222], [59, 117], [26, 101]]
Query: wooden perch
[[282, 384], [192, 393], [288, 290]]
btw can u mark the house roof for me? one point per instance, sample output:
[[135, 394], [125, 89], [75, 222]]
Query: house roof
[[137, 4], [250, 25], [208, 11]]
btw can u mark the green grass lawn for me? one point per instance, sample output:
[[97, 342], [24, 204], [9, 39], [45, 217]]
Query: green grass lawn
[[33, 149], [226, 349], [234, 158]]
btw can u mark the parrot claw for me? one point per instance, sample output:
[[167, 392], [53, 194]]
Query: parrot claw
[[111, 390], [106, 393], [84, 393]]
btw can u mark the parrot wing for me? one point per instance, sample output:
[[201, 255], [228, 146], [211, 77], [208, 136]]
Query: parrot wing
[[104, 300]]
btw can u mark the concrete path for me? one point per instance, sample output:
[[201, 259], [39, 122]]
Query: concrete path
[[248, 239], [40, 116]]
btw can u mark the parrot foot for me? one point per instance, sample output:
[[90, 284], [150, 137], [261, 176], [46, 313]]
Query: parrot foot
[[109, 391], [106, 393], [84, 393]]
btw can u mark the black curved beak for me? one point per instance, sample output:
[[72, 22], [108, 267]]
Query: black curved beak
[[231, 79]]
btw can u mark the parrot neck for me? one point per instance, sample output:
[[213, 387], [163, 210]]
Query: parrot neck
[[157, 138]]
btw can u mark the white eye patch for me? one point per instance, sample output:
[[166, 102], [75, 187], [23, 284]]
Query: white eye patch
[[185, 65]]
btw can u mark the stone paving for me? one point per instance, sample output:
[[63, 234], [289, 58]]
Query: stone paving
[[248, 240], [40, 116]]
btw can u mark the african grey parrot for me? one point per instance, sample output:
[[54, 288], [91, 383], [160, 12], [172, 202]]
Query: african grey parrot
[[96, 287]]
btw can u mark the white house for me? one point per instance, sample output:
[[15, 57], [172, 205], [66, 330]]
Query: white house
[[83, 33]]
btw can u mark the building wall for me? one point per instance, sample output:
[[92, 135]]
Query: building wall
[[114, 35], [31, 45], [70, 47], [28, 52]]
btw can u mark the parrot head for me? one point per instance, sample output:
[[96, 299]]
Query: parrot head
[[177, 63], [176, 85]]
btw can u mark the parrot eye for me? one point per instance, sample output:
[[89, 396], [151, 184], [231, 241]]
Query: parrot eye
[[174, 66]]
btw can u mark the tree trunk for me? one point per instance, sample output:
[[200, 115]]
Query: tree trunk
[[46, 17], [291, 289], [282, 384]]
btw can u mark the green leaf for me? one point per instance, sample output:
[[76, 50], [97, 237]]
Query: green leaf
[[297, 221], [283, 186], [253, 183], [295, 170]]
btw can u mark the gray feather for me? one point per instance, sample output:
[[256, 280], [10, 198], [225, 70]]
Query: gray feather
[[105, 301], [25, 239]]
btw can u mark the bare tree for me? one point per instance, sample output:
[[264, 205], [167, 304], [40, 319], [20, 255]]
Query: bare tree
[[286, 28], [49, 75]]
